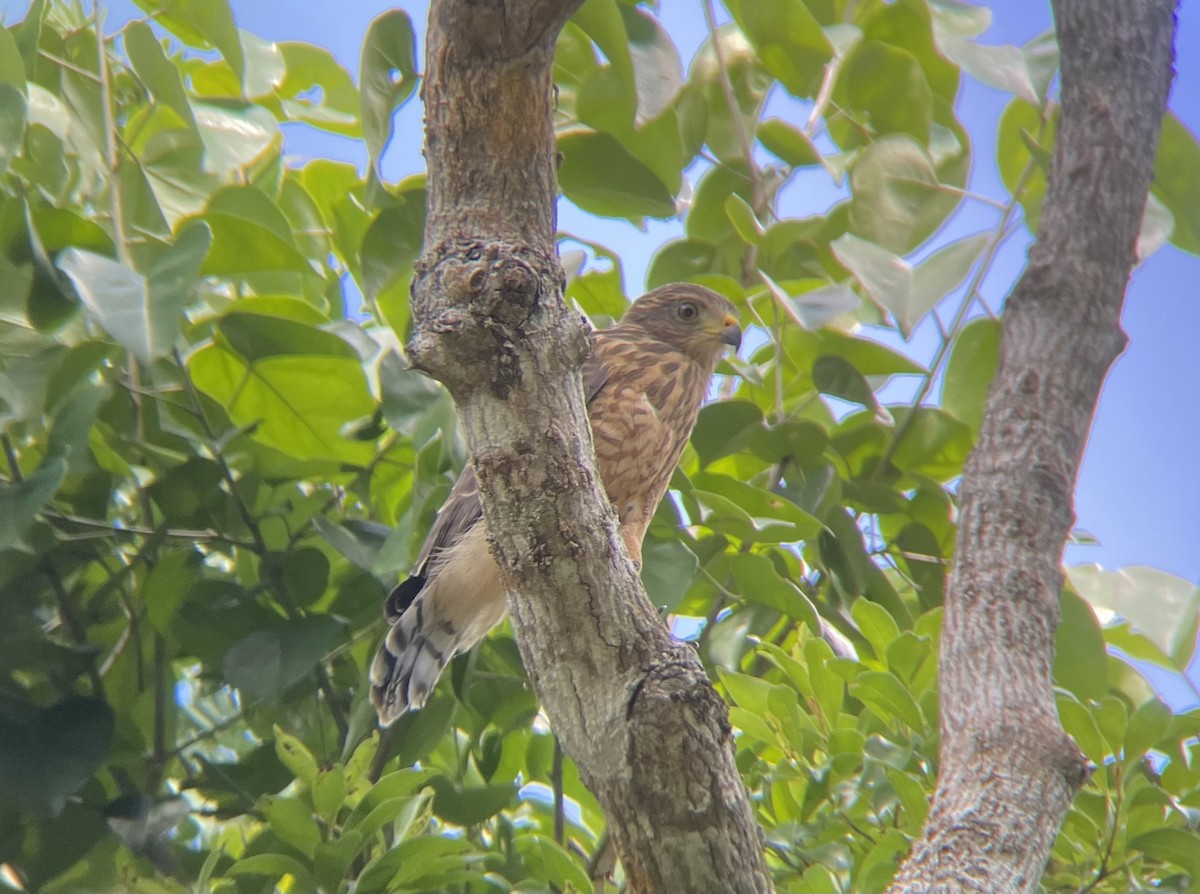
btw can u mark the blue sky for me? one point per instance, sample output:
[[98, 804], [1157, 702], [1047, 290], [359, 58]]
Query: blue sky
[[1139, 490]]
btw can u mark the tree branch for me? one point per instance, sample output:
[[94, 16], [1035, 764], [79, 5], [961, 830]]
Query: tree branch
[[1008, 770], [632, 707]]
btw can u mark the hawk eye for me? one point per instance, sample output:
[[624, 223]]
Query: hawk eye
[[687, 311]]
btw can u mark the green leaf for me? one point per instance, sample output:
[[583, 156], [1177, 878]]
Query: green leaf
[[601, 176], [889, 85], [12, 67], [747, 692], [1081, 726], [470, 805], [141, 313], [706, 109], [1022, 140], [680, 260], [1002, 67], [894, 189], [1175, 846], [876, 625], [265, 67], [243, 247], [1147, 727], [943, 272], [724, 427], [883, 693], [275, 866], [304, 573], [294, 755], [789, 143], [1158, 224], [20, 503], [388, 794], [550, 862], [292, 820], [935, 443], [157, 72], [299, 386], [328, 792], [391, 245], [1080, 659], [906, 292], [597, 291], [406, 861], [667, 571], [915, 542], [912, 796], [741, 215], [12, 124], [875, 871], [235, 137], [200, 23], [1177, 180], [970, 370], [310, 69], [751, 513], [837, 376], [387, 75], [813, 304], [1164, 607], [266, 663], [789, 41], [601, 20], [758, 580], [51, 755], [167, 585]]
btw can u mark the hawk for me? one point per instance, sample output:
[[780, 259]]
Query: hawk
[[644, 381]]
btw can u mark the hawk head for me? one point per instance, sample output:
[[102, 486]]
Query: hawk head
[[692, 319]]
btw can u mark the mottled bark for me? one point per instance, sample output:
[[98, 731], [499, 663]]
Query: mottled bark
[[632, 707], [1008, 771]]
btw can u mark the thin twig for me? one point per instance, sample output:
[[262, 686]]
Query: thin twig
[[113, 527]]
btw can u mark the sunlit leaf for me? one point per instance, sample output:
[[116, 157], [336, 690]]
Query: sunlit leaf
[[1177, 180], [387, 76], [1164, 607], [200, 23], [600, 176], [143, 313]]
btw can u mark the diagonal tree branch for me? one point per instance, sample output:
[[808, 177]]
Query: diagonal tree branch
[[1008, 770], [632, 707]]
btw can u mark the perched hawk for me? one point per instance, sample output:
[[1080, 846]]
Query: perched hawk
[[644, 381]]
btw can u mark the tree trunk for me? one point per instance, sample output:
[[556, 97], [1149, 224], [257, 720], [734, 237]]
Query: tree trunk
[[631, 706], [1008, 771]]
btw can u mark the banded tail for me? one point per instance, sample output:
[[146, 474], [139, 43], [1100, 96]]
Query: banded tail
[[434, 616]]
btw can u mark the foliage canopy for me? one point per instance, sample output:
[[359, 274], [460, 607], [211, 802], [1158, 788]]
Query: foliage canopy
[[213, 469]]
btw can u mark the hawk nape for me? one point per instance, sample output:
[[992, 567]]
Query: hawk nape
[[644, 381]]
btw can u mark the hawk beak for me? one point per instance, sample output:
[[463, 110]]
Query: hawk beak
[[731, 332]]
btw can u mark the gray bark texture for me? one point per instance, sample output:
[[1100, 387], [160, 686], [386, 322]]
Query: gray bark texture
[[1008, 772], [631, 706]]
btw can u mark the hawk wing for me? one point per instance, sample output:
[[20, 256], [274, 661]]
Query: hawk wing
[[425, 634], [462, 508]]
